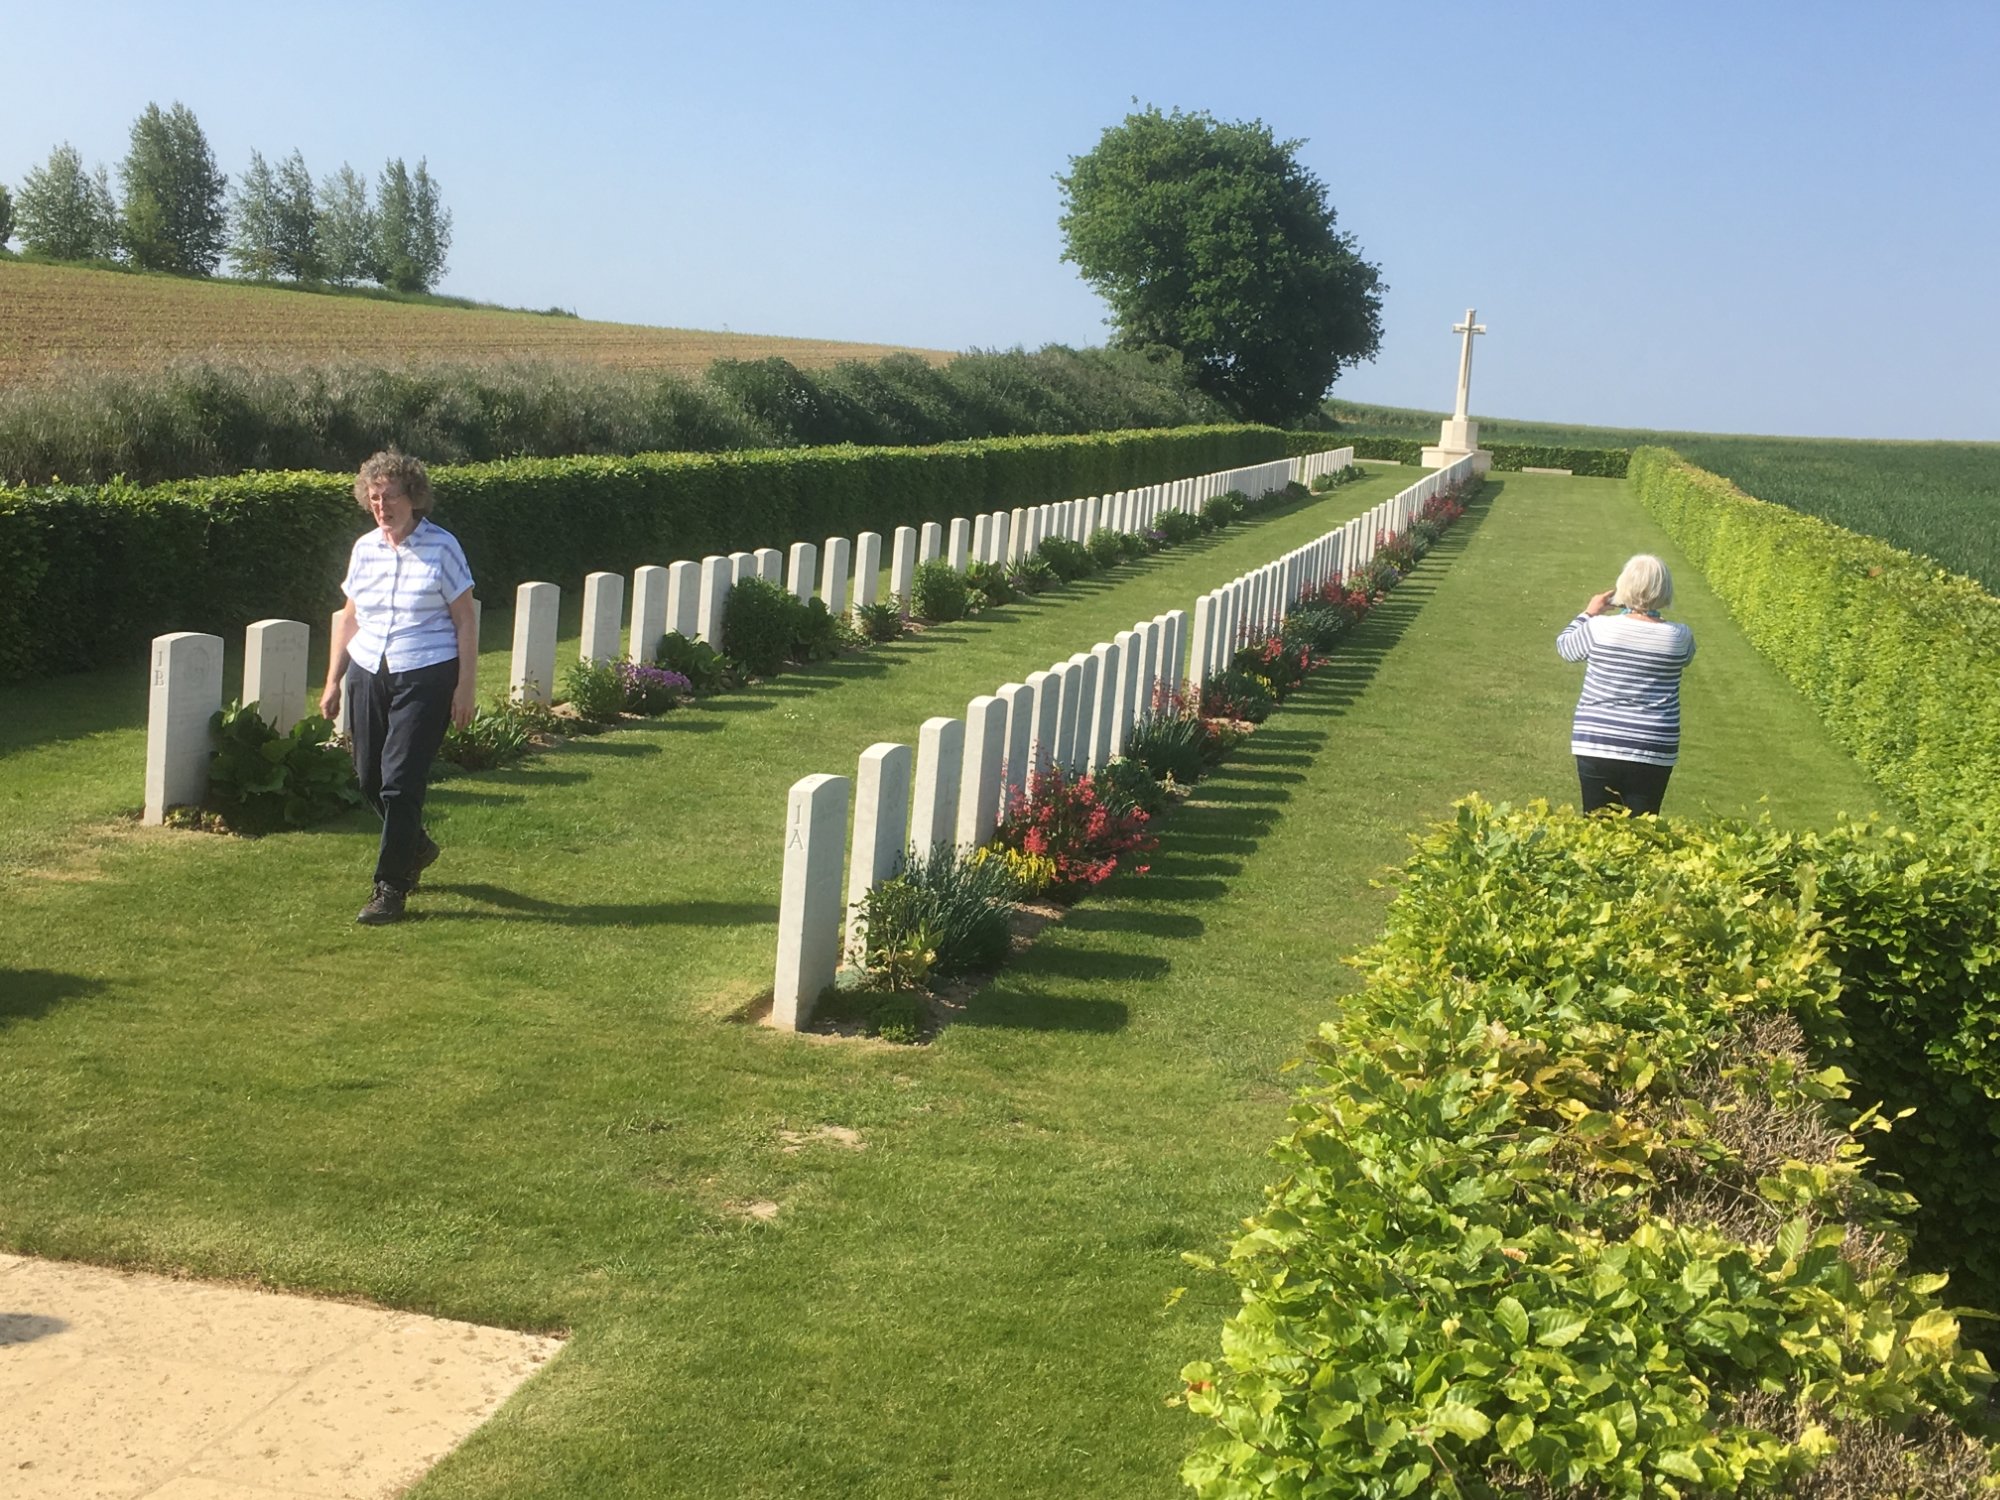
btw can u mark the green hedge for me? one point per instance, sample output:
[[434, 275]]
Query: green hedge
[[1900, 658], [1569, 1209], [88, 574]]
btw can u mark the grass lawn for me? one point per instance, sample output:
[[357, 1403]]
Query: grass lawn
[[535, 1106]]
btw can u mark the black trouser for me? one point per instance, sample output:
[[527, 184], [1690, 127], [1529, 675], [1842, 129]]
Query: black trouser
[[397, 721], [1630, 784]]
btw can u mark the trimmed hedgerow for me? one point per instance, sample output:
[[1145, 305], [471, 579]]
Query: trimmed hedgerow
[[1569, 1208], [1595, 463], [88, 574], [1899, 658]]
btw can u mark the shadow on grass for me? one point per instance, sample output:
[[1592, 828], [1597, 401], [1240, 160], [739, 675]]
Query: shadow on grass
[[503, 905], [30, 994], [1203, 841]]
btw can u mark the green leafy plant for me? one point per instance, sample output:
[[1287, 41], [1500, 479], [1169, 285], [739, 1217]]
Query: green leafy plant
[[262, 780], [1221, 510], [1238, 695], [1068, 560], [958, 910], [1030, 576], [761, 625], [987, 583], [595, 689], [706, 669], [1178, 526], [880, 621], [1106, 546], [1569, 1207], [1127, 784], [1173, 742], [495, 737], [939, 592]]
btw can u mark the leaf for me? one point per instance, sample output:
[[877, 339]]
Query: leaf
[[1460, 1420], [1513, 1429], [1513, 1320], [1558, 1327]]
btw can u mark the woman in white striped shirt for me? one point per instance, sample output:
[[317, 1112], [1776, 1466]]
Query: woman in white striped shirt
[[1627, 732], [406, 651]]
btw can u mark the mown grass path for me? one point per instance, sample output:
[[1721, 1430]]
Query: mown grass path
[[531, 1108]]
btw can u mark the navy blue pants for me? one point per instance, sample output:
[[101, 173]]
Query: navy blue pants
[[1630, 784], [396, 721]]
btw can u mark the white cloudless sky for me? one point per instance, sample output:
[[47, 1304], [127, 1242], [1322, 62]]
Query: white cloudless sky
[[1764, 216]]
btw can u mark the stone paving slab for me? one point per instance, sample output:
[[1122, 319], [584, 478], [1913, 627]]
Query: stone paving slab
[[117, 1386]]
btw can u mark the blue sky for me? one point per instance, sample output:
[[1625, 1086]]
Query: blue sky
[[1746, 217]]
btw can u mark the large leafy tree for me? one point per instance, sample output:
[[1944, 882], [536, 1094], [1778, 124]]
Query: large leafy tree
[[412, 228], [174, 219], [65, 211], [6, 216], [346, 228], [1208, 238], [253, 220], [295, 219]]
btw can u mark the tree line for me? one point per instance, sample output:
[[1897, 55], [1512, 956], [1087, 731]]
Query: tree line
[[176, 212]]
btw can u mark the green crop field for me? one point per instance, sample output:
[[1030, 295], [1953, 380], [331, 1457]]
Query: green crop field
[[1939, 499]]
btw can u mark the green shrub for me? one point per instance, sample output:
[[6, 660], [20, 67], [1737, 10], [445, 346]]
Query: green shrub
[[880, 621], [706, 669], [499, 732], [1568, 1209], [939, 592], [1315, 626], [595, 689], [1171, 744], [1178, 526], [956, 909], [1240, 695], [1128, 785], [898, 1018], [262, 780], [1068, 560], [816, 634], [1030, 576], [761, 624], [1106, 546], [1845, 617], [1222, 510], [987, 582]]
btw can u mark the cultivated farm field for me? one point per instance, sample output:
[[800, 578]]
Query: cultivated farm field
[[61, 318], [1938, 499]]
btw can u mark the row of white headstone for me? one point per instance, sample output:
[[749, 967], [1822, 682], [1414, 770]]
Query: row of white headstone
[[688, 597], [1076, 715]]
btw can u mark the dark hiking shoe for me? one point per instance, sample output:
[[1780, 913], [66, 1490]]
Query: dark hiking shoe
[[384, 907], [427, 855]]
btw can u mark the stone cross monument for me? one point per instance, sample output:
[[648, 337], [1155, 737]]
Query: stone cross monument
[[1459, 434]]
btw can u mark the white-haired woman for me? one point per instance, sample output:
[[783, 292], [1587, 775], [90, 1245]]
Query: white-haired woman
[[406, 652], [1627, 732]]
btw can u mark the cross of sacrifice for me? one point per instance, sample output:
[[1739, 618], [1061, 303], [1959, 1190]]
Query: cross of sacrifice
[[1468, 328]]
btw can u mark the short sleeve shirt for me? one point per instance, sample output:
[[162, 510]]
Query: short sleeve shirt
[[402, 598]]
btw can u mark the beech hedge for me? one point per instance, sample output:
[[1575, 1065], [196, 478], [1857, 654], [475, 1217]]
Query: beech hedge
[[1574, 1205], [89, 573], [1899, 657], [1594, 463]]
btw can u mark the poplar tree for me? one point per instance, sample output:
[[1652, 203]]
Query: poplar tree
[[253, 237], [412, 228], [295, 222], [174, 217], [6, 216], [346, 228], [66, 212]]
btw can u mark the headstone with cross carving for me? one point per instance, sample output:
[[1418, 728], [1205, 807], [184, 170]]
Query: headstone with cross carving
[[1459, 434]]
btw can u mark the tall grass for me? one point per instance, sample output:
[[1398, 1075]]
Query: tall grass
[[195, 419]]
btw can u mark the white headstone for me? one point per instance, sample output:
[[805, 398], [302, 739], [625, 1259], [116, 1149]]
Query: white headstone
[[940, 763], [1126, 689], [1042, 723], [903, 566], [684, 598], [930, 545], [809, 899], [186, 692], [979, 784], [999, 540], [649, 611], [603, 604], [1068, 677], [1104, 701], [881, 829], [982, 538], [274, 671], [742, 565], [1201, 656], [1083, 722], [1148, 675], [867, 569], [804, 562], [533, 675], [836, 558], [718, 576], [961, 546], [1173, 669], [1019, 701], [770, 566]]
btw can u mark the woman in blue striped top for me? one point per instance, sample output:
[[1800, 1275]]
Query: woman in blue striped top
[[406, 652], [1627, 732]]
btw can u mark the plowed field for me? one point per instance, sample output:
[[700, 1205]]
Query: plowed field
[[56, 318]]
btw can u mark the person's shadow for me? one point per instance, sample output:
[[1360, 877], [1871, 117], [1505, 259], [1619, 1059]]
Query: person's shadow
[[498, 904]]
